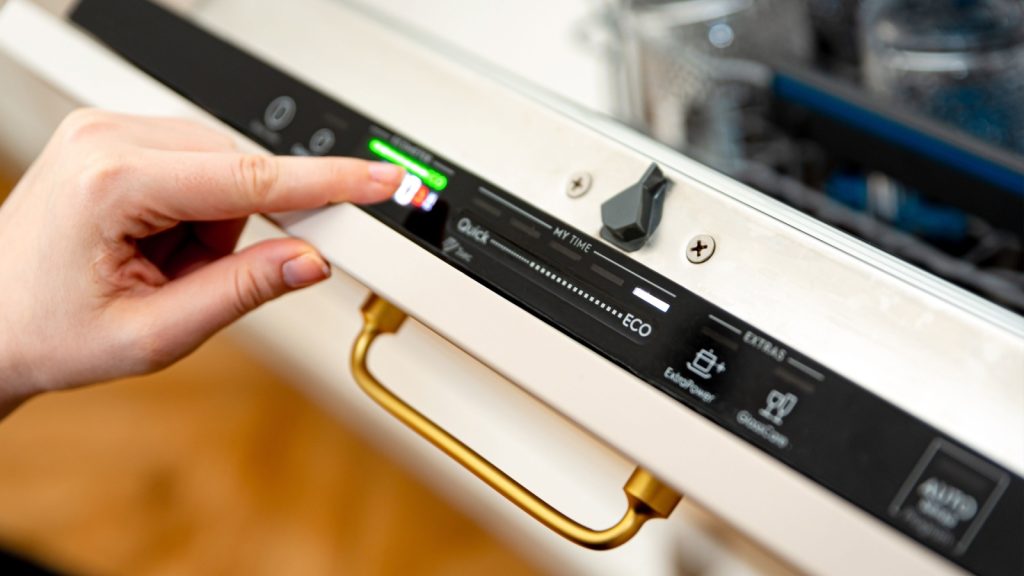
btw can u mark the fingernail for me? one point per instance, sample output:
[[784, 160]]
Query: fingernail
[[386, 172], [305, 270]]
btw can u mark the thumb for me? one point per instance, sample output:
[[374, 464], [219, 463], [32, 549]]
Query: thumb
[[189, 310]]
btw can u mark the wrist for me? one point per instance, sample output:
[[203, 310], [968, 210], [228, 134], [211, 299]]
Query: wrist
[[15, 387], [8, 405]]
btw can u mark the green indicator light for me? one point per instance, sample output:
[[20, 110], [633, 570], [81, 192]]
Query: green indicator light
[[429, 176]]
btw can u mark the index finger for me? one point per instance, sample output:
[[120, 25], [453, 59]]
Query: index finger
[[220, 186]]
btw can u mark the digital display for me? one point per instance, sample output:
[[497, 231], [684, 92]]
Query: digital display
[[421, 184]]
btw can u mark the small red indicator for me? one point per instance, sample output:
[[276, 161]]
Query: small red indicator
[[420, 196]]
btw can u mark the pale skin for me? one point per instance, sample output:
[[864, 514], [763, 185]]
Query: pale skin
[[117, 248]]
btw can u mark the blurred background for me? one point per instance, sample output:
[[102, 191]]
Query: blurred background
[[899, 121]]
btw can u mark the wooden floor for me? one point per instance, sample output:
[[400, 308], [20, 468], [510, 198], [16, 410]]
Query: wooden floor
[[218, 467]]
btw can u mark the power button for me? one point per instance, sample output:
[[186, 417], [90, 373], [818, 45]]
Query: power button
[[280, 113]]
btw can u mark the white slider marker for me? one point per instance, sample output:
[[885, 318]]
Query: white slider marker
[[650, 299], [407, 189]]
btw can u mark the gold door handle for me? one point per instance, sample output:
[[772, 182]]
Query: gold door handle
[[647, 496]]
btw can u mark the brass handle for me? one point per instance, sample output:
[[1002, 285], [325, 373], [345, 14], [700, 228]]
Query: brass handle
[[648, 497]]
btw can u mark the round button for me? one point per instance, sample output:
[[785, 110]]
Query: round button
[[280, 113], [322, 141]]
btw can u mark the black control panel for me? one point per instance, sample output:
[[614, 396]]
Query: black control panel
[[895, 467]]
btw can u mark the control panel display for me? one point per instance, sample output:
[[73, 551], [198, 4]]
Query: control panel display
[[422, 183], [893, 466]]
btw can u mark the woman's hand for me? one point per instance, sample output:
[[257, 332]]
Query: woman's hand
[[116, 248]]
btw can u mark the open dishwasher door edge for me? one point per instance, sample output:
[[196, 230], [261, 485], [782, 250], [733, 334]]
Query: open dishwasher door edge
[[819, 531]]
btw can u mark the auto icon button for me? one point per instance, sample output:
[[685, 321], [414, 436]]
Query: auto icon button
[[948, 496]]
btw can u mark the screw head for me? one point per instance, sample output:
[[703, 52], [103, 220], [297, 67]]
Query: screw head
[[700, 248], [578, 184]]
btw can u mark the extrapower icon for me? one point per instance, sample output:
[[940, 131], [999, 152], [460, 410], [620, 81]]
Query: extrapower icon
[[704, 362]]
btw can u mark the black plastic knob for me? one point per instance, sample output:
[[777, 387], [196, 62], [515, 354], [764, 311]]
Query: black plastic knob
[[631, 216]]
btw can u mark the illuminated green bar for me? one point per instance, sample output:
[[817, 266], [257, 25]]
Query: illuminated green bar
[[432, 178]]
